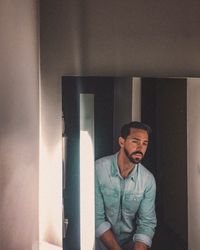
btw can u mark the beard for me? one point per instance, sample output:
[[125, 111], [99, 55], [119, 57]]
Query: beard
[[134, 160]]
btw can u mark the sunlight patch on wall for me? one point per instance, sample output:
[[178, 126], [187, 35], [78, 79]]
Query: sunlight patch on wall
[[50, 194]]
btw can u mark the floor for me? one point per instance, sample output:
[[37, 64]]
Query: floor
[[45, 246]]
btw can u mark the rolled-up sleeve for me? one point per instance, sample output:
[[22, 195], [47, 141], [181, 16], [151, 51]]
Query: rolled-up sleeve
[[101, 225], [146, 220]]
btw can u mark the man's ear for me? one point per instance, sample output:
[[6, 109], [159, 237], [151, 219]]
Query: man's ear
[[121, 141]]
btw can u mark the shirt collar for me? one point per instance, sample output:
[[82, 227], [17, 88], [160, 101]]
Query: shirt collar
[[115, 169]]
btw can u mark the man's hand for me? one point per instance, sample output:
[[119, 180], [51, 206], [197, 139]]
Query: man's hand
[[128, 246], [109, 240], [140, 246]]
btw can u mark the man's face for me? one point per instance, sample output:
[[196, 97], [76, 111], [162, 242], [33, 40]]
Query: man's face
[[135, 145]]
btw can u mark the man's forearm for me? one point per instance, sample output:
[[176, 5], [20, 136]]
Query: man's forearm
[[109, 240], [140, 246]]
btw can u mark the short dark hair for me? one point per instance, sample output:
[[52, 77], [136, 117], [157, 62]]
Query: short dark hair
[[125, 130]]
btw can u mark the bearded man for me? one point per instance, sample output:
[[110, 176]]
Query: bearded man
[[125, 193]]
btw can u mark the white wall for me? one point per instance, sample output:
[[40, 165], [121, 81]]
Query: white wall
[[115, 38], [143, 38], [60, 45], [19, 124], [193, 136]]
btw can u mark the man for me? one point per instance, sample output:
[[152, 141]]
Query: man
[[125, 194]]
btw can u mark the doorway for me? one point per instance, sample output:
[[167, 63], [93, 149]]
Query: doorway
[[102, 88]]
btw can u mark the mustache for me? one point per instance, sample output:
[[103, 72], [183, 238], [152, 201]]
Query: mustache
[[137, 152]]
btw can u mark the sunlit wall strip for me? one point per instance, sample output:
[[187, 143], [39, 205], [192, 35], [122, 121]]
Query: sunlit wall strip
[[87, 171]]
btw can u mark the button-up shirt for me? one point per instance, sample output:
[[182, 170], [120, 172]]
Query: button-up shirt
[[124, 205]]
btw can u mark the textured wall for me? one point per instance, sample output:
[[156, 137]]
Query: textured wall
[[19, 124]]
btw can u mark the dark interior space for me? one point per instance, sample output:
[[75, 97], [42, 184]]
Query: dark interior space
[[163, 107], [71, 193]]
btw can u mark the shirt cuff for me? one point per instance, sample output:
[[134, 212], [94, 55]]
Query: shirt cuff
[[143, 238], [103, 227]]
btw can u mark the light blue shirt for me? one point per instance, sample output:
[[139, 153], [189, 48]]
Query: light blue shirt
[[124, 205]]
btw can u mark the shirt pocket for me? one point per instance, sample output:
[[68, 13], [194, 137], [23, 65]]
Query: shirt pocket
[[111, 198], [132, 202]]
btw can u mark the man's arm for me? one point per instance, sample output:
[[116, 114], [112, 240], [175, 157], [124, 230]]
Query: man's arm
[[146, 218], [109, 241], [103, 227]]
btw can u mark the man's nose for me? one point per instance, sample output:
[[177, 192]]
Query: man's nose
[[139, 146]]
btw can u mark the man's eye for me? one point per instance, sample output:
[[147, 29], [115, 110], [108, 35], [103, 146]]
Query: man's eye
[[134, 141]]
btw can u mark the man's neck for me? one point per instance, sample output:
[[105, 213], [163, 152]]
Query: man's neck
[[125, 166]]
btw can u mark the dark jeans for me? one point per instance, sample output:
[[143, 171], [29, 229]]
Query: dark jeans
[[100, 246]]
